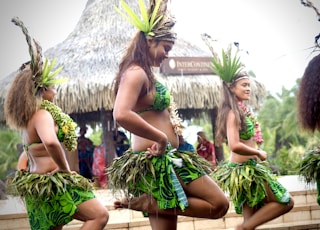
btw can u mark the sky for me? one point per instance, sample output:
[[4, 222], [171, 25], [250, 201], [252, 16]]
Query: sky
[[278, 34]]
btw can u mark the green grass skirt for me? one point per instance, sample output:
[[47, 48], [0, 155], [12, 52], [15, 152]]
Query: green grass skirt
[[51, 200], [245, 183], [134, 174], [309, 169]]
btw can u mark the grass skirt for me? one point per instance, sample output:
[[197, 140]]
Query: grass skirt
[[245, 183], [51, 200], [309, 169], [134, 174]]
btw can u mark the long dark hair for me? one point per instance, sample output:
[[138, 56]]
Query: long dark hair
[[136, 54], [228, 101]]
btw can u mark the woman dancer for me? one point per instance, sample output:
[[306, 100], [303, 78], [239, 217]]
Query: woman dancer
[[54, 195], [253, 189], [162, 181], [308, 116]]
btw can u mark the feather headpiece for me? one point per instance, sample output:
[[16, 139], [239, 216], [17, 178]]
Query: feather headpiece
[[155, 22], [228, 67], [42, 75]]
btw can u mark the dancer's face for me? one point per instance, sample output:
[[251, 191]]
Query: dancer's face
[[242, 89], [49, 93], [158, 51]]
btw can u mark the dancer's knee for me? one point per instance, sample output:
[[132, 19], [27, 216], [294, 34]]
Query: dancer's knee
[[223, 206], [103, 217], [290, 205], [220, 208]]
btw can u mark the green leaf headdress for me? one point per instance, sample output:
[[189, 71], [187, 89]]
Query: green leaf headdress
[[228, 66], [43, 76], [155, 22]]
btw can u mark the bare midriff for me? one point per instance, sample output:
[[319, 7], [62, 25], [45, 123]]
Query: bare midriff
[[238, 158], [41, 161], [160, 120]]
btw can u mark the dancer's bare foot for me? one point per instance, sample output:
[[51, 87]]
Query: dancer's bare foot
[[242, 227], [144, 203]]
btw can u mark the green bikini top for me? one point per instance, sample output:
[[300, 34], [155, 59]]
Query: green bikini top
[[60, 136], [248, 132], [161, 99]]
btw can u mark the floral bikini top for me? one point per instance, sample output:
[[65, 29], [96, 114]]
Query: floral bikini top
[[248, 132], [161, 99]]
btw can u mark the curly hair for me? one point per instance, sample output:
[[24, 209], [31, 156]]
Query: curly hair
[[308, 97], [21, 101]]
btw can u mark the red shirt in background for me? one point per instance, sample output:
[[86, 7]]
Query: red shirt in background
[[206, 150]]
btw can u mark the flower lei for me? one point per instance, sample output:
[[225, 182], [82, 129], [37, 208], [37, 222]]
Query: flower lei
[[248, 113], [174, 117], [67, 127]]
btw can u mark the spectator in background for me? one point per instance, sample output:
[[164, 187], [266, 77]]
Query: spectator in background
[[205, 148], [85, 154], [184, 145], [99, 164], [121, 142]]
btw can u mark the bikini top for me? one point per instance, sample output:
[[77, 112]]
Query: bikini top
[[60, 136], [248, 132], [161, 99]]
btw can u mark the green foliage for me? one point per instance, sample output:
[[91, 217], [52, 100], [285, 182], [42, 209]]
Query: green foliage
[[8, 151], [96, 136], [205, 123], [286, 159], [285, 142]]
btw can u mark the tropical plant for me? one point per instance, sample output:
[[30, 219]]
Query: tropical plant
[[9, 153], [285, 142]]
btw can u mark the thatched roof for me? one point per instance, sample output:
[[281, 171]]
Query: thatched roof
[[90, 56]]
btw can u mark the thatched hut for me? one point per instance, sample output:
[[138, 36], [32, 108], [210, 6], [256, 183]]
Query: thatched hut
[[90, 56]]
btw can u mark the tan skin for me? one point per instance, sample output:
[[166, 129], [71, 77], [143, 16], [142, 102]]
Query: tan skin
[[48, 157], [151, 131], [242, 151], [23, 161]]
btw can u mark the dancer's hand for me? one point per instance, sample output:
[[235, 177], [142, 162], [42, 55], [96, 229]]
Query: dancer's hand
[[262, 155], [63, 171], [156, 149]]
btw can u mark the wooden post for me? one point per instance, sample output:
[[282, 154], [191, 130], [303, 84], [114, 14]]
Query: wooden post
[[218, 150], [108, 126]]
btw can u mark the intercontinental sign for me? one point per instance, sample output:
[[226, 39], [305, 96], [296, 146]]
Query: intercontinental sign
[[186, 65]]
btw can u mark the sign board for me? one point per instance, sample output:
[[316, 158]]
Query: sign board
[[186, 65]]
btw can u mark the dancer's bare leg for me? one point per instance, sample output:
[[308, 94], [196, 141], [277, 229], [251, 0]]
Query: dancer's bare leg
[[247, 212], [163, 222], [270, 211], [93, 213], [206, 200]]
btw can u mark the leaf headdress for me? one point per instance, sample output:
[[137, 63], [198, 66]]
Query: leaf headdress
[[155, 22], [43, 76], [228, 66]]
